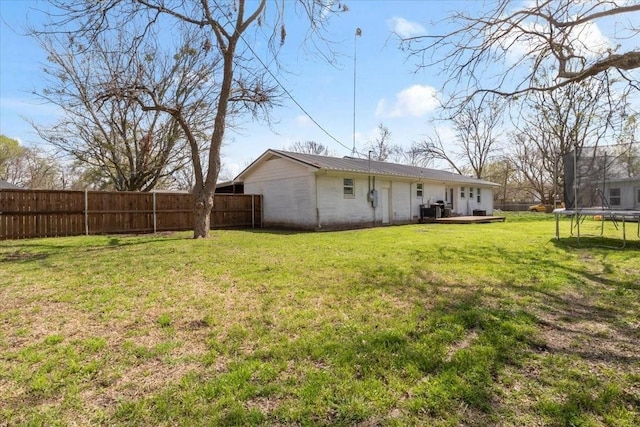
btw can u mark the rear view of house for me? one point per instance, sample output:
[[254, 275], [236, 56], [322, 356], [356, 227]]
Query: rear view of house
[[305, 191]]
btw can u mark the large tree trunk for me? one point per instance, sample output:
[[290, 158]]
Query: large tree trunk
[[203, 203]]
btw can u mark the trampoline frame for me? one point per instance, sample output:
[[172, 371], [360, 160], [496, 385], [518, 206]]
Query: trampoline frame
[[579, 215]]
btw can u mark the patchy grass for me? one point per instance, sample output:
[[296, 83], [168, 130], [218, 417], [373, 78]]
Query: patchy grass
[[424, 324]]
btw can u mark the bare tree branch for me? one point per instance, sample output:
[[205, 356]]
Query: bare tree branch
[[506, 50], [237, 82]]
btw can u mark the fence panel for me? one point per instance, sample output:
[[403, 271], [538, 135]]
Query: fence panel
[[175, 211], [52, 213]]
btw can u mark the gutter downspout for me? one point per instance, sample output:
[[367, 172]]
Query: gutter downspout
[[371, 189], [318, 224], [374, 209]]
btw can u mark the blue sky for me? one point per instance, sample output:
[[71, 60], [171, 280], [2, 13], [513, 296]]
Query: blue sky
[[387, 89]]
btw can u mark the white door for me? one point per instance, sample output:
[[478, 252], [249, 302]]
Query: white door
[[449, 198], [384, 204]]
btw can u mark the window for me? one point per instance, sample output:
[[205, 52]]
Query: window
[[419, 190], [638, 196], [462, 192], [348, 188], [614, 196], [478, 194], [471, 193]]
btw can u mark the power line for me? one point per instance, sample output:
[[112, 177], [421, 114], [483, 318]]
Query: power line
[[306, 113]]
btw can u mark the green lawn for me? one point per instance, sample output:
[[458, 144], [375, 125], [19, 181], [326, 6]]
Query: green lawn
[[481, 324]]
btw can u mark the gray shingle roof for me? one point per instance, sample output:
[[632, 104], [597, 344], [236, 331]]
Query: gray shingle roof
[[4, 185], [350, 164]]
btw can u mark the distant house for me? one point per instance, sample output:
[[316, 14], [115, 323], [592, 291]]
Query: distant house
[[623, 193], [4, 185], [305, 191]]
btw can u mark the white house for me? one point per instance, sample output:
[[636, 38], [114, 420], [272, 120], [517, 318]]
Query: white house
[[305, 191], [623, 193]]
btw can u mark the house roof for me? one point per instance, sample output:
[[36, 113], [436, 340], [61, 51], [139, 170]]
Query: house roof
[[632, 179], [364, 166], [4, 185]]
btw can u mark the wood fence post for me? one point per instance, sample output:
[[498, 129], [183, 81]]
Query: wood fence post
[[86, 212], [155, 223]]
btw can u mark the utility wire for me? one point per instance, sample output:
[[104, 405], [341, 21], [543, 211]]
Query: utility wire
[[306, 113]]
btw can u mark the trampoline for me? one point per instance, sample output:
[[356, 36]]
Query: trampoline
[[618, 218], [603, 183]]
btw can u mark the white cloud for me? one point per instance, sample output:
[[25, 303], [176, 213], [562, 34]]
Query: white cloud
[[303, 120], [416, 101], [404, 28], [587, 40], [591, 40], [234, 169], [381, 107]]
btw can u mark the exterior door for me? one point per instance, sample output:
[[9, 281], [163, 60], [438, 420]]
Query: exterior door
[[384, 204], [449, 198]]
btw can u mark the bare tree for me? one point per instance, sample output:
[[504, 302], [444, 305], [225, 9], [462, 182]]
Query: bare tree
[[627, 151], [477, 129], [528, 159], [553, 123], [413, 156], [226, 32], [113, 136], [508, 49], [513, 187], [381, 148], [309, 147]]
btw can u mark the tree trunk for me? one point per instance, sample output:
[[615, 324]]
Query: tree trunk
[[203, 203]]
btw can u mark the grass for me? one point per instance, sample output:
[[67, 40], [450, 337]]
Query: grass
[[487, 324]]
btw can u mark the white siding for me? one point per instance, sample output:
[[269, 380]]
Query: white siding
[[289, 193], [297, 196], [628, 191], [336, 210], [402, 196], [466, 205]]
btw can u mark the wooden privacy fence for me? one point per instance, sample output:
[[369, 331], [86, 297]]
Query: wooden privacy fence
[[50, 213]]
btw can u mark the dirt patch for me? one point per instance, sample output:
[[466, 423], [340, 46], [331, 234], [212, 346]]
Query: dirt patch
[[574, 324], [465, 342]]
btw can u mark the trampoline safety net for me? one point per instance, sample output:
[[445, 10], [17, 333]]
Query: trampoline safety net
[[590, 171]]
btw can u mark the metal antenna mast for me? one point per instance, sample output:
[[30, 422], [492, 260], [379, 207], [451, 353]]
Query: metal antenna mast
[[355, 44]]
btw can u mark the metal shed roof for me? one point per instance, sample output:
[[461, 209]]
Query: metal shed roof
[[373, 167]]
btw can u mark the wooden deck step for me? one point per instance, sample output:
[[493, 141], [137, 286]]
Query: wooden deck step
[[465, 220]]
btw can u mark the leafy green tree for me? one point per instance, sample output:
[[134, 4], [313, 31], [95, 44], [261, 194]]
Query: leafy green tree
[[10, 151]]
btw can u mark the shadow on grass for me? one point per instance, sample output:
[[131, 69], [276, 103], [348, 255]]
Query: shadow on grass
[[275, 231], [36, 250], [443, 365], [594, 242], [582, 318]]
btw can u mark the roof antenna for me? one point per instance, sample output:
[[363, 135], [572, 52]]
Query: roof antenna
[[355, 44]]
